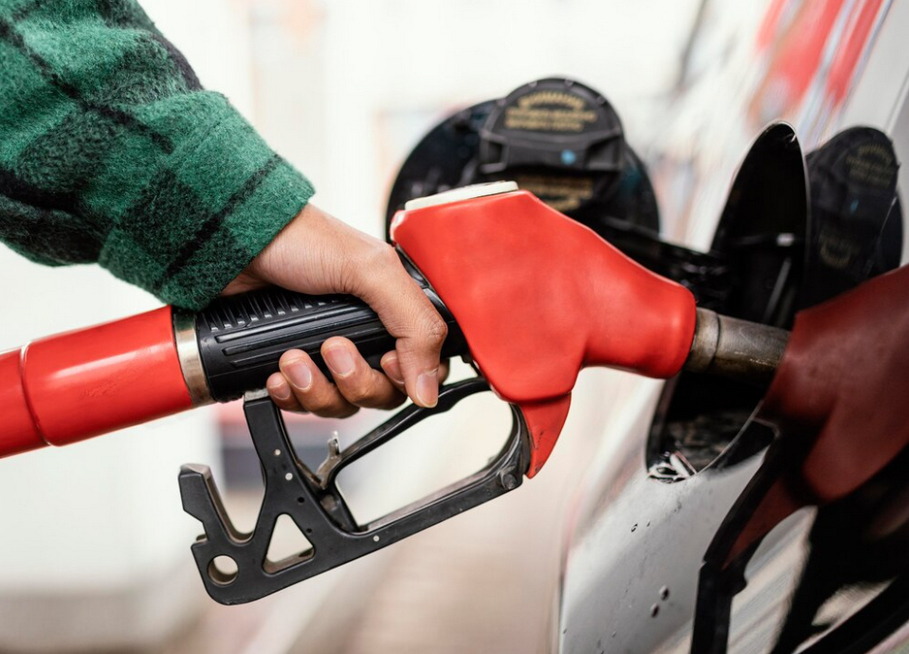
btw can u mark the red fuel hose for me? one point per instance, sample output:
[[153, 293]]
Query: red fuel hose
[[73, 386]]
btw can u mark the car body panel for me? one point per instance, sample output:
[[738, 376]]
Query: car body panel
[[635, 544]]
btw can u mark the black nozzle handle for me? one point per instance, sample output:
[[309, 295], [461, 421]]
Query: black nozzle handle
[[240, 338]]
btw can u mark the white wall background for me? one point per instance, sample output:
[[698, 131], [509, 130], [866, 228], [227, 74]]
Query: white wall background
[[344, 88]]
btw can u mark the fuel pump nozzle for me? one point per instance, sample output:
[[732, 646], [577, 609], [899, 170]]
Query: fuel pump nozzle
[[529, 295]]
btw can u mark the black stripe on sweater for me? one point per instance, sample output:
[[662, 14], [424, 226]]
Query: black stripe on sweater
[[186, 71], [9, 33], [213, 223], [123, 13], [16, 188]]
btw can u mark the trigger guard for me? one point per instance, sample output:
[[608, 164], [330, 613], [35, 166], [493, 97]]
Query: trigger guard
[[316, 505]]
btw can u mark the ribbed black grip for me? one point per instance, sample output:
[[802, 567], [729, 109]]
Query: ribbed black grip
[[242, 337]]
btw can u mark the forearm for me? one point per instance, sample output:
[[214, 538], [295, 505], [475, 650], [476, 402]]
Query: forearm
[[110, 151]]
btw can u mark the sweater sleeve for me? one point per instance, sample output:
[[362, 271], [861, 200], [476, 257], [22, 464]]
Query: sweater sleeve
[[111, 152]]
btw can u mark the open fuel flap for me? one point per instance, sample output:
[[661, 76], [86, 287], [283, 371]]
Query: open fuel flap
[[795, 231]]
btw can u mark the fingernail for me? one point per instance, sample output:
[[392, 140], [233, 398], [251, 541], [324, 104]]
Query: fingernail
[[428, 388], [280, 391], [300, 375], [339, 361], [393, 369]]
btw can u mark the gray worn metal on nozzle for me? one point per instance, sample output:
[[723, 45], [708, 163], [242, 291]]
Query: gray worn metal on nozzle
[[736, 349]]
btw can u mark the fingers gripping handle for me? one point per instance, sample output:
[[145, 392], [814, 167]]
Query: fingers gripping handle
[[241, 338]]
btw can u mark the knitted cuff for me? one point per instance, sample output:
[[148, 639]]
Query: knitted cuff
[[207, 211]]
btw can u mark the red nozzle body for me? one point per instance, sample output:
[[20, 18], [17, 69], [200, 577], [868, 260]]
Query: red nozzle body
[[73, 386], [540, 296]]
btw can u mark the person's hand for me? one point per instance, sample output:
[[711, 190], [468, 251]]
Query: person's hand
[[318, 254]]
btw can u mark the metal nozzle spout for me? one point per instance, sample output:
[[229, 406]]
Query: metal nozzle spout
[[736, 349]]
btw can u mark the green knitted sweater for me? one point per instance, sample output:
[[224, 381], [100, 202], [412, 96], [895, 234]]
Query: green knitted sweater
[[111, 152]]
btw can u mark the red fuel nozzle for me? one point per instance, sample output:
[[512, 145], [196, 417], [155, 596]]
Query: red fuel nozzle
[[530, 295]]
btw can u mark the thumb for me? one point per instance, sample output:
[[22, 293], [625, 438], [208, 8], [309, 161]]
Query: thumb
[[410, 317]]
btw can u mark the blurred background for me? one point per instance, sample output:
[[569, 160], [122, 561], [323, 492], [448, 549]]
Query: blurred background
[[95, 548]]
